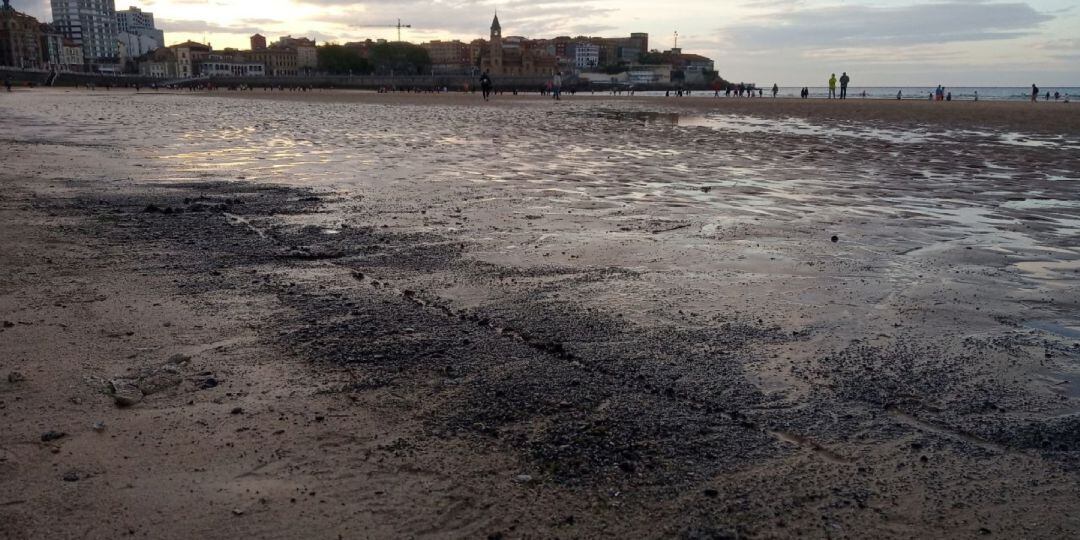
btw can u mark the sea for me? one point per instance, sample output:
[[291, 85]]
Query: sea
[[959, 93]]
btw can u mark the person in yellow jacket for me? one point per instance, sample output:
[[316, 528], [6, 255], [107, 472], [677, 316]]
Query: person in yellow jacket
[[832, 86]]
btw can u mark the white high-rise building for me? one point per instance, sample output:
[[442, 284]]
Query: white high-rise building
[[134, 18], [586, 55], [91, 24], [137, 32]]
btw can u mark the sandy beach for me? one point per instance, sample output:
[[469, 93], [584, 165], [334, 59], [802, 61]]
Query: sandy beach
[[354, 315]]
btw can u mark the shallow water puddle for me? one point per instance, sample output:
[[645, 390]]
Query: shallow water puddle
[[1032, 204], [1070, 331], [1050, 270]]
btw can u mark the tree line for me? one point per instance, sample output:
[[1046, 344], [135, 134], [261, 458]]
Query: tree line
[[396, 58]]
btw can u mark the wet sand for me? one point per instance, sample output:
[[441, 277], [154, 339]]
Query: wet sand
[[1041, 117], [428, 316]]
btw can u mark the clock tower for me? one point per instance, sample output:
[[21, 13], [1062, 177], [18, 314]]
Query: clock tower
[[496, 51]]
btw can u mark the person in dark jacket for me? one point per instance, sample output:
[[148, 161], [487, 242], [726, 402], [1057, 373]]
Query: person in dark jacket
[[485, 85]]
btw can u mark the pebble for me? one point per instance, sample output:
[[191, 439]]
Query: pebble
[[99, 426], [50, 436], [15, 377], [236, 410], [523, 478], [71, 476], [159, 381], [126, 393], [178, 359], [835, 239]]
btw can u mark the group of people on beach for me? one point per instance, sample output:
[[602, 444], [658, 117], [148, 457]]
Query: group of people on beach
[[837, 89], [739, 90], [844, 81], [939, 94], [1035, 95], [552, 88]]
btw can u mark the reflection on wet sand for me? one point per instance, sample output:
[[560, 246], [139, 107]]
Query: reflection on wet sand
[[622, 165]]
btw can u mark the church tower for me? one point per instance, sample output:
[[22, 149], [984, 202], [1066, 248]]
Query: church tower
[[496, 47]]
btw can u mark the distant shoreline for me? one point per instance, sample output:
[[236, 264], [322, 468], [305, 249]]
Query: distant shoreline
[[530, 83], [1012, 115], [1023, 116]]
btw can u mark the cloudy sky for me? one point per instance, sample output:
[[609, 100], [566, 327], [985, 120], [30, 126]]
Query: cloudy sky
[[792, 42]]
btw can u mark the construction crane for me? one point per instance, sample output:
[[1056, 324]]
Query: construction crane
[[399, 26]]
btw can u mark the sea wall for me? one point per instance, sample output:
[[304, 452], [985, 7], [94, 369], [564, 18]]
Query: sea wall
[[39, 77]]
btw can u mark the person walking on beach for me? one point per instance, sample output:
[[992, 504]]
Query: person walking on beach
[[832, 86], [1034, 93], [844, 80], [899, 95], [485, 85], [556, 86], [7, 84], [775, 90]]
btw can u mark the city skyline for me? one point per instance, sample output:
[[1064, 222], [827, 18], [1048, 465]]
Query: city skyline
[[791, 42]]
